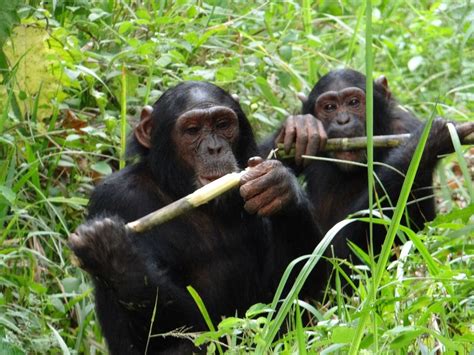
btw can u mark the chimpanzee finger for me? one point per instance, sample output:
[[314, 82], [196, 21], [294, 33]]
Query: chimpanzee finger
[[276, 205], [255, 187], [258, 170], [301, 138], [280, 137], [465, 129], [254, 161], [254, 204], [323, 136], [290, 134], [313, 140], [258, 201], [259, 184], [313, 136]]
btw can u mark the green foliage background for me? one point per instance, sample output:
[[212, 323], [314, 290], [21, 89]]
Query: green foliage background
[[64, 64]]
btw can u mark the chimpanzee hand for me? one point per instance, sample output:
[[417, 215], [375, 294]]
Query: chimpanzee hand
[[103, 247], [306, 132], [268, 187]]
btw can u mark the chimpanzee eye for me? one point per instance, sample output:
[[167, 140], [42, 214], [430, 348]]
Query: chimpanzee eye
[[354, 102], [223, 124], [192, 130], [329, 107]]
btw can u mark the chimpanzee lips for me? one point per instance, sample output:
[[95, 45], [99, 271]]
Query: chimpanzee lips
[[351, 155], [204, 180]]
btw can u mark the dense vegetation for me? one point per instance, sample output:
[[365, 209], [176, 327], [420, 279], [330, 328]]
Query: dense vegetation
[[74, 76]]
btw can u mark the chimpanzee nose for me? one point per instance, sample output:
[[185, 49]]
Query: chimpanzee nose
[[214, 150], [343, 119], [214, 146]]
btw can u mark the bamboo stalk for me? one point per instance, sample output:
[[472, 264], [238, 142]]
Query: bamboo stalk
[[232, 180]]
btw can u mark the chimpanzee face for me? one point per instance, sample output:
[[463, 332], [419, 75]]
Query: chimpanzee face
[[342, 113], [195, 133], [205, 139]]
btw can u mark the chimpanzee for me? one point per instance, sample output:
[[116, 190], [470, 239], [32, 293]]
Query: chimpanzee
[[335, 108], [233, 250]]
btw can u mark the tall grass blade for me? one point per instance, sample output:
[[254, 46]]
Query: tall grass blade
[[123, 117], [300, 337], [204, 312], [273, 327], [308, 30], [389, 239], [369, 122]]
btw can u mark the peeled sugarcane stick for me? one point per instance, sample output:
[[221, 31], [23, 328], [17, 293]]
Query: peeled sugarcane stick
[[232, 180], [344, 144], [197, 198]]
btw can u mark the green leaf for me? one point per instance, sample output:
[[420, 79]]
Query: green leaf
[[124, 27], [70, 284], [406, 337], [102, 168], [267, 91], [164, 60], [258, 309], [455, 215], [8, 18], [415, 62], [286, 52], [342, 335], [7, 193], [230, 323], [78, 201], [225, 74]]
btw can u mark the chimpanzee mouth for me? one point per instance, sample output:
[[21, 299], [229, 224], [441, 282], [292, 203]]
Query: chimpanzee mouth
[[351, 155], [204, 180]]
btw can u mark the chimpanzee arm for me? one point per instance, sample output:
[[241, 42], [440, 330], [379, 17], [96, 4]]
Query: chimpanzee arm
[[439, 142], [128, 278], [270, 189]]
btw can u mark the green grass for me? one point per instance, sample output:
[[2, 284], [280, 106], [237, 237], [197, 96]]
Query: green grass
[[74, 78]]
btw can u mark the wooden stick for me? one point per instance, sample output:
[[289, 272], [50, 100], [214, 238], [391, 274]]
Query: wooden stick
[[232, 180]]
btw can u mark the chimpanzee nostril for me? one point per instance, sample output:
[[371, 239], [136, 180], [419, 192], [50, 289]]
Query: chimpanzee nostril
[[343, 119], [214, 146], [214, 149]]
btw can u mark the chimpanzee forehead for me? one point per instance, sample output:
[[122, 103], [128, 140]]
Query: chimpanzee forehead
[[339, 85], [199, 97], [207, 114], [341, 94]]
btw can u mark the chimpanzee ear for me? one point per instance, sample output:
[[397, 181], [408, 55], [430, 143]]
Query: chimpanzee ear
[[235, 97], [143, 130], [383, 82], [302, 97]]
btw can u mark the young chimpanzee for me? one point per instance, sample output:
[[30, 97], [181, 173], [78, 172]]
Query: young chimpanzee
[[233, 251], [335, 108]]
